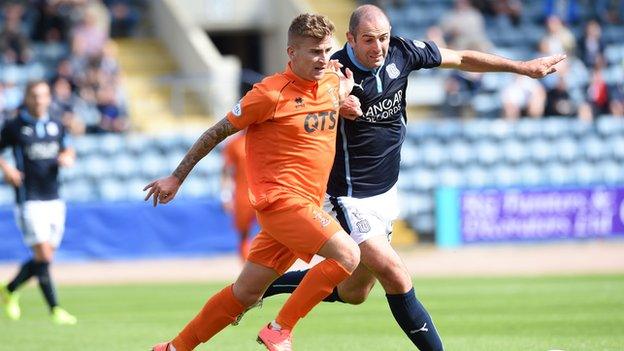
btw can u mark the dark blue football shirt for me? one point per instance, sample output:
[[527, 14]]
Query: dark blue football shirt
[[368, 150], [36, 146]]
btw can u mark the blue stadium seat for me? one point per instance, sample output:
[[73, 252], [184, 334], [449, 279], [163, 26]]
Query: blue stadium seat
[[461, 152], [532, 175], [555, 127], [80, 190], [528, 128], [610, 125], [153, 165], [450, 176], [514, 151], [593, 148], [585, 172], [617, 147], [112, 190], [488, 152], [611, 172], [7, 195], [209, 166], [97, 166], [415, 203], [424, 179], [567, 149], [111, 144], [505, 175], [134, 188], [558, 173], [541, 150], [477, 176], [125, 165], [85, 145], [410, 155], [137, 143], [194, 187], [433, 153], [614, 53]]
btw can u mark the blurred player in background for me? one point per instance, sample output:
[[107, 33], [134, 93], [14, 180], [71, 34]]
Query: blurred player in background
[[40, 147], [235, 191], [291, 120], [362, 192]]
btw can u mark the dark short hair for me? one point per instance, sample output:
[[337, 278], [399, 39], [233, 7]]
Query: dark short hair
[[309, 25]]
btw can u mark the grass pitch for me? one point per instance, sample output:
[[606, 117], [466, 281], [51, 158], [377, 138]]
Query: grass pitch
[[498, 314]]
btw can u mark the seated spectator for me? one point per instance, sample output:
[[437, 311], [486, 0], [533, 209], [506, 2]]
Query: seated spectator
[[124, 18], [64, 103], [567, 10], [464, 28], [558, 100], [14, 45], [113, 115], [558, 38], [597, 96], [608, 11], [505, 12], [51, 25], [524, 97], [591, 46], [90, 35]]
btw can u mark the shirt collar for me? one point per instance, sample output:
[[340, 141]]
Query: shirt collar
[[27, 117], [357, 63], [303, 83]]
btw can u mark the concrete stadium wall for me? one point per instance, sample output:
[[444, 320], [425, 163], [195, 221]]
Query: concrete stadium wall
[[215, 78]]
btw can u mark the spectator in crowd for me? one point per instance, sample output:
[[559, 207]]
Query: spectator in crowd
[[51, 25], [464, 28], [64, 103], [505, 12], [608, 11], [14, 45], [559, 102], [558, 38], [597, 97], [524, 97], [567, 10], [113, 114], [124, 18], [91, 35], [591, 46]]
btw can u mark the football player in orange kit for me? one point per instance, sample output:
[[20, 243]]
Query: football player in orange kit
[[236, 197], [291, 120]]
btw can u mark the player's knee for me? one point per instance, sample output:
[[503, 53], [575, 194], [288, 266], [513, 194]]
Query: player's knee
[[395, 278], [350, 256], [355, 297], [247, 295]]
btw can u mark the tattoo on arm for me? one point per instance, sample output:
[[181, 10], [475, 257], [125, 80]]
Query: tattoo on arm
[[206, 142]]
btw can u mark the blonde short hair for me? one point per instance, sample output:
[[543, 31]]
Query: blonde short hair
[[309, 25]]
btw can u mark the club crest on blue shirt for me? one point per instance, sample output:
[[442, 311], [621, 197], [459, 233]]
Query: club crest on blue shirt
[[419, 44], [392, 70], [27, 131], [52, 129]]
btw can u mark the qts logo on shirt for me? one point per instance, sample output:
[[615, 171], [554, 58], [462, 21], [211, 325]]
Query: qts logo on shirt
[[320, 121]]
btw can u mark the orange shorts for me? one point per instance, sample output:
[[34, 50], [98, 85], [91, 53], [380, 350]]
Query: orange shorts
[[291, 228]]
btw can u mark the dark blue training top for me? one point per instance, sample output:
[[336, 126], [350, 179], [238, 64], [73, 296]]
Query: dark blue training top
[[36, 146], [368, 150]]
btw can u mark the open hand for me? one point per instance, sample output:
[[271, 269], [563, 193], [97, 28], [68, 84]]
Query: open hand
[[162, 190]]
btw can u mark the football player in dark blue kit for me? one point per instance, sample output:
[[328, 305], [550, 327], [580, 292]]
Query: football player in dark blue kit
[[40, 147], [362, 191]]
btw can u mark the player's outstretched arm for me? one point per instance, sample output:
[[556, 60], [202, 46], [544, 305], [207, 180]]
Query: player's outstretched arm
[[475, 61], [164, 189]]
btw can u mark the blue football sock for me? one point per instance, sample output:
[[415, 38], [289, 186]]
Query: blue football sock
[[289, 281], [415, 321], [26, 271], [42, 271]]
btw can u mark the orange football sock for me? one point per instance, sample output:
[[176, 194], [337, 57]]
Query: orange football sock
[[317, 284], [220, 310]]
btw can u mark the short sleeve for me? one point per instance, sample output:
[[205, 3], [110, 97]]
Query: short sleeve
[[257, 106], [5, 137], [422, 54]]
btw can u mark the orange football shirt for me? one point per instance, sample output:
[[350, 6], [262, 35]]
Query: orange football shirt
[[291, 134]]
